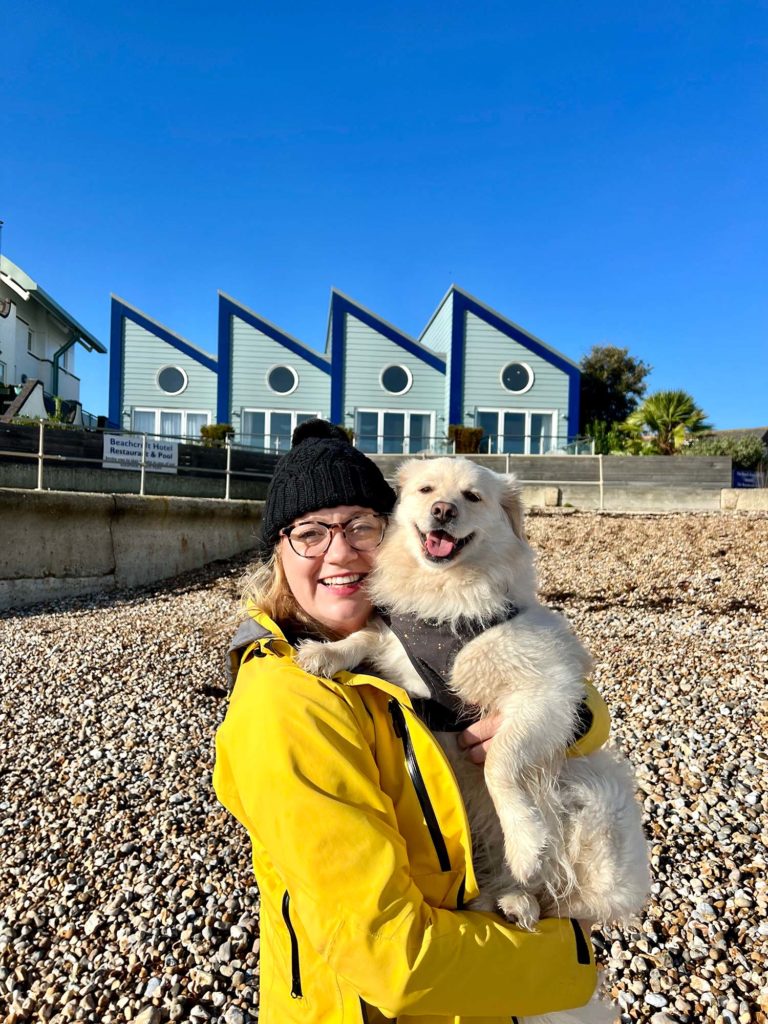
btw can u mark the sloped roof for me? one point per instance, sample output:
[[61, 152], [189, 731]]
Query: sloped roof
[[17, 279]]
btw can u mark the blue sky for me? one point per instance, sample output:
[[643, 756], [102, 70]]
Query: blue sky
[[598, 173]]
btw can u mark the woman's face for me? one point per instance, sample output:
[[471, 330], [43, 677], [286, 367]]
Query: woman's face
[[329, 587]]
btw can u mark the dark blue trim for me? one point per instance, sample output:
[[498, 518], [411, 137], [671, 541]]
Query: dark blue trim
[[340, 307], [120, 313], [462, 304], [234, 309], [456, 393], [165, 335], [574, 405], [229, 308], [343, 304], [224, 379], [338, 360], [116, 364]]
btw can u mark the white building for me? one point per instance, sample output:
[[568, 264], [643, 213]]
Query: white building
[[38, 336]]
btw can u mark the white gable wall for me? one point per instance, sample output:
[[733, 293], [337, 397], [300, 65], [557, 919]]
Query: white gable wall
[[368, 353], [144, 355], [254, 354], [487, 352], [437, 337]]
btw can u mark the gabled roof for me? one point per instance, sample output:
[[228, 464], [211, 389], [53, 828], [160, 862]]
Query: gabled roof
[[463, 303], [26, 288], [342, 304], [229, 307], [235, 308], [508, 327], [124, 309]]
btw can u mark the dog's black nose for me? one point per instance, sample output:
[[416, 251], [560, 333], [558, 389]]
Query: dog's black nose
[[444, 511]]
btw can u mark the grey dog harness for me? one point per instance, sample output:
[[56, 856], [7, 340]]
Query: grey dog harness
[[432, 648]]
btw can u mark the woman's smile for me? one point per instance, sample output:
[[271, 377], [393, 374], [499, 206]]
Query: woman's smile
[[331, 586]]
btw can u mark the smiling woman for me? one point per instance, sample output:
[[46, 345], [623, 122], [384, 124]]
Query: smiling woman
[[361, 846]]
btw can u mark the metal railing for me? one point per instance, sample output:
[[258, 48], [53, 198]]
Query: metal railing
[[371, 444], [143, 464], [536, 444]]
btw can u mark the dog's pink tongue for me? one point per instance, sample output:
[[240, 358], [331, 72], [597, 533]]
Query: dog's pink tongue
[[439, 544]]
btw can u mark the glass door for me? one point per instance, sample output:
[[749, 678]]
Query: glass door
[[514, 433], [488, 421], [280, 431], [394, 433]]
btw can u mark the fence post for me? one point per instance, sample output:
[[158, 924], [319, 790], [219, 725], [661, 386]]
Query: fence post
[[507, 469], [143, 463], [40, 449], [600, 465], [229, 466]]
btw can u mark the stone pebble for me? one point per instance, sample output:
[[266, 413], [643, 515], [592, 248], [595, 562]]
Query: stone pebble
[[126, 892]]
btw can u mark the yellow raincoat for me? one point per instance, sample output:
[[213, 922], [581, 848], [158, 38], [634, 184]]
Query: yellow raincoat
[[362, 855]]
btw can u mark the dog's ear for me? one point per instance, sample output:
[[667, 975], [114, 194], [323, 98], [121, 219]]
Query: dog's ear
[[512, 505]]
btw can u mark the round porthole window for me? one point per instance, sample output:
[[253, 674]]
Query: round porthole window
[[517, 377], [396, 379], [283, 379], [171, 380]]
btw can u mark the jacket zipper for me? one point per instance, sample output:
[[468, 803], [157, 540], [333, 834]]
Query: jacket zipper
[[296, 992], [401, 731], [582, 949]]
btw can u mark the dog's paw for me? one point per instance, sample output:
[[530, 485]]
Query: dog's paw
[[523, 853], [317, 658], [521, 908]]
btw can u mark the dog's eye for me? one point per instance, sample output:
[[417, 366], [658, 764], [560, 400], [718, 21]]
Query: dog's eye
[[426, 489], [471, 496]]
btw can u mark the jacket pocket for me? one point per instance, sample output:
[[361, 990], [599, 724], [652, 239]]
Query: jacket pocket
[[296, 991], [412, 765]]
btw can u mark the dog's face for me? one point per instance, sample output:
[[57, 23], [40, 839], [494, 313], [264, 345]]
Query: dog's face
[[454, 511]]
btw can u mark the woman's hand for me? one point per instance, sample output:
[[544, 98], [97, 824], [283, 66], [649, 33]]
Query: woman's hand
[[476, 739]]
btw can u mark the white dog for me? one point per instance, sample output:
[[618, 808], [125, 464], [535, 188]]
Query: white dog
[[454, 580]]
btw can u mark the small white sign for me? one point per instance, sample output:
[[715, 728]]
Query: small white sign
[[123, 451]]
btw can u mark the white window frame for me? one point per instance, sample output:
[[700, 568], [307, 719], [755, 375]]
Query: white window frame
[[283, 394], [293, 413], [407, 413], [184, 412], [182, 389], [525, 390], [408, 374], [527, 413]]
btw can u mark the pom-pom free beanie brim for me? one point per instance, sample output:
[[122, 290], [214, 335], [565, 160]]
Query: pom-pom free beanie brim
[[322, 470]]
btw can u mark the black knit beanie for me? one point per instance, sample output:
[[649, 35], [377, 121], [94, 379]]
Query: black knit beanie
[[322, 470]]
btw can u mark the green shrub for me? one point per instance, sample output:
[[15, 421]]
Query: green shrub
[[466, 439], [214, 435], [747, 452]]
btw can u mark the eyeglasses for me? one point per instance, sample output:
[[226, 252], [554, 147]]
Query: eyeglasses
[[363, 533]]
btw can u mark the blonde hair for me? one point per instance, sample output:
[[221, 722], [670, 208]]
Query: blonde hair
[[265, 588]]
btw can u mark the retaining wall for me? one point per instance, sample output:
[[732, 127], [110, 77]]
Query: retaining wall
[[614, 483], [59, 544]]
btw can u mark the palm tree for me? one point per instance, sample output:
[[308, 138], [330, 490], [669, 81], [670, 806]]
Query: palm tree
[[671, 416]]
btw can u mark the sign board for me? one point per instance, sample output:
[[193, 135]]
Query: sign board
[[123, 451], [745, 478]]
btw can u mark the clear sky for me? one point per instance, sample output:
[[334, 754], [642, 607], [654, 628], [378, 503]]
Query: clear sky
[[596, 172]]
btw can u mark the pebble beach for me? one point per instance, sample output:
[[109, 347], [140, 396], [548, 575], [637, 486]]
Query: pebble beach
[[125, 889]]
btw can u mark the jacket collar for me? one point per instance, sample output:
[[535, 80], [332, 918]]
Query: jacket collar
[[260, 627]]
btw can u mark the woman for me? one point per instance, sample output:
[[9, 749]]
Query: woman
[[361, 847]]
